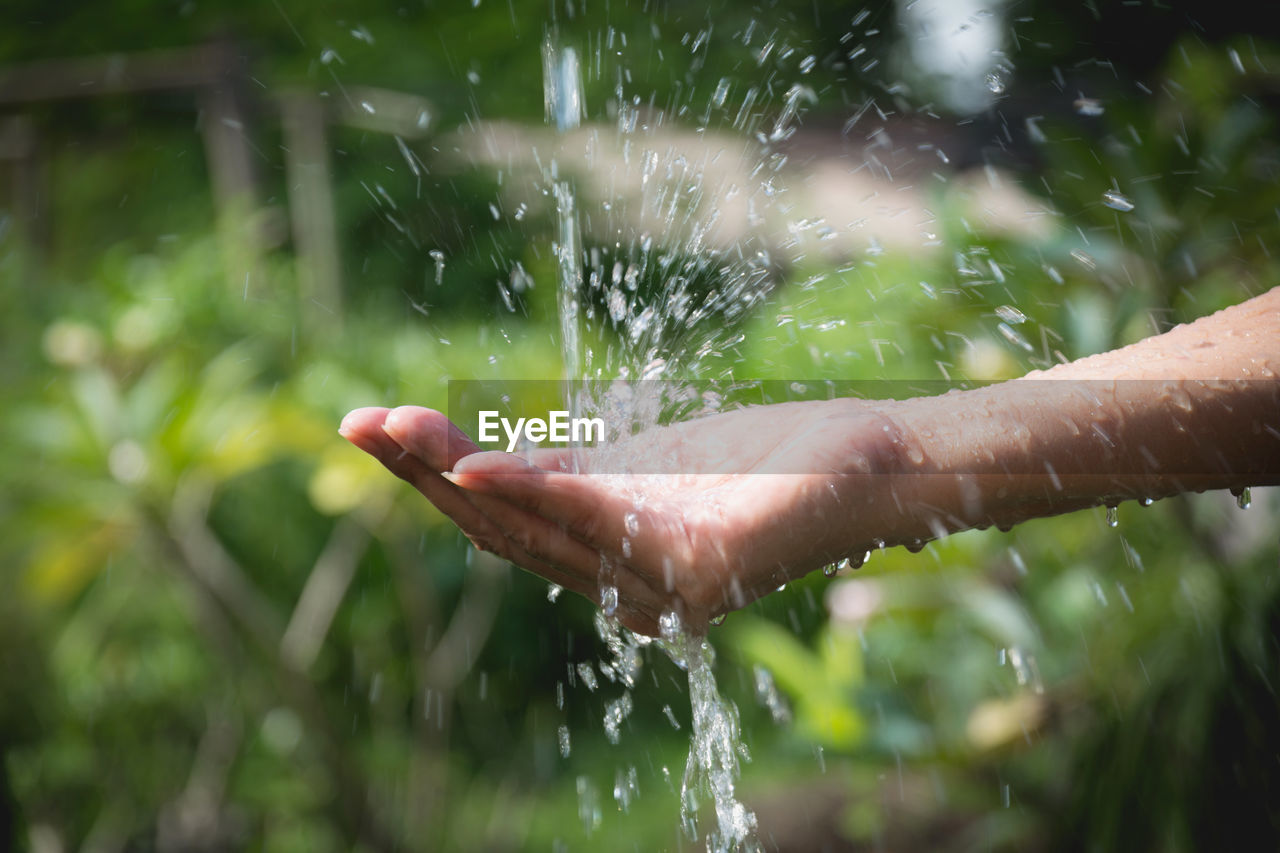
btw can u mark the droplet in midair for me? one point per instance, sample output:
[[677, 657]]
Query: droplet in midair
[[1117, 201], [996, 83], [1113, 516], [1014, 337], [438, 257], [1088, 106], [553, 592], [1085, 259], [1011, 315]]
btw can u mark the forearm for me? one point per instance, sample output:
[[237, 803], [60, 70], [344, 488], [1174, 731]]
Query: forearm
[[1196, 408]]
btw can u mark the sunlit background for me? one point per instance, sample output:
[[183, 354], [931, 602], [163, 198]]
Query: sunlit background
[[223, 225]]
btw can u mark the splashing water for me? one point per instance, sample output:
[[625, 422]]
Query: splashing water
[[715, 747], [665, 301]]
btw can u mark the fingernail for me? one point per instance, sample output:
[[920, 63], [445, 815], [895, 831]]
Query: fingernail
[[451, 477]]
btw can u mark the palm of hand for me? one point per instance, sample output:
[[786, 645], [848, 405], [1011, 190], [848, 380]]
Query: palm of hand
[[701, 517]]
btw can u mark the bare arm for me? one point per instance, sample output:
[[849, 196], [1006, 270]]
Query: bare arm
[[1195, 408]]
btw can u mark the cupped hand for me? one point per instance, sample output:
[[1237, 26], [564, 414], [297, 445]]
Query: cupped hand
[[698, 518]]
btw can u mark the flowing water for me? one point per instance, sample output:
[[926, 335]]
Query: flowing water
[[648, 349]]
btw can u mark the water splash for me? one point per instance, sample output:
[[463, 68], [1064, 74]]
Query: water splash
[[664, 300], [715, 748]]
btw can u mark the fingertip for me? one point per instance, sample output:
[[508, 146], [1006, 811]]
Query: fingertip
[[362, 423], [399, 421], [490, 463]]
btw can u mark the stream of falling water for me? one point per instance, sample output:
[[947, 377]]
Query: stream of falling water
[[562, 93], [716, 748]]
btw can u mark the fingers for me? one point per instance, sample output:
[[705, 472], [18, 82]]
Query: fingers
[[365, 429], [428, 440], [429, 435], [581, 504], [409, 439], [548, 542]]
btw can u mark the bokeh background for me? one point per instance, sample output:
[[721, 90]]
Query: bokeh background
[[224, 224]]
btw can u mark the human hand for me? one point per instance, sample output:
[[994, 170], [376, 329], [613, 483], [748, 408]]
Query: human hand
[[748, 500]]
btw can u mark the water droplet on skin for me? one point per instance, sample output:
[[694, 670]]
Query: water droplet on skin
[[1113, 516], [553, 592], [632, 523], [1117, 201], [1244, 499], [830, 569], [1147, 501], [718, 620]]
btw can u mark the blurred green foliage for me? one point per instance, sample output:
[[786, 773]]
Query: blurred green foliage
[[226, 629]]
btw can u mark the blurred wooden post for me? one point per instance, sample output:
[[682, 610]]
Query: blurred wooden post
[[311, 210], [217, 75], [28, 181], [215, 72], [224, 125]]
